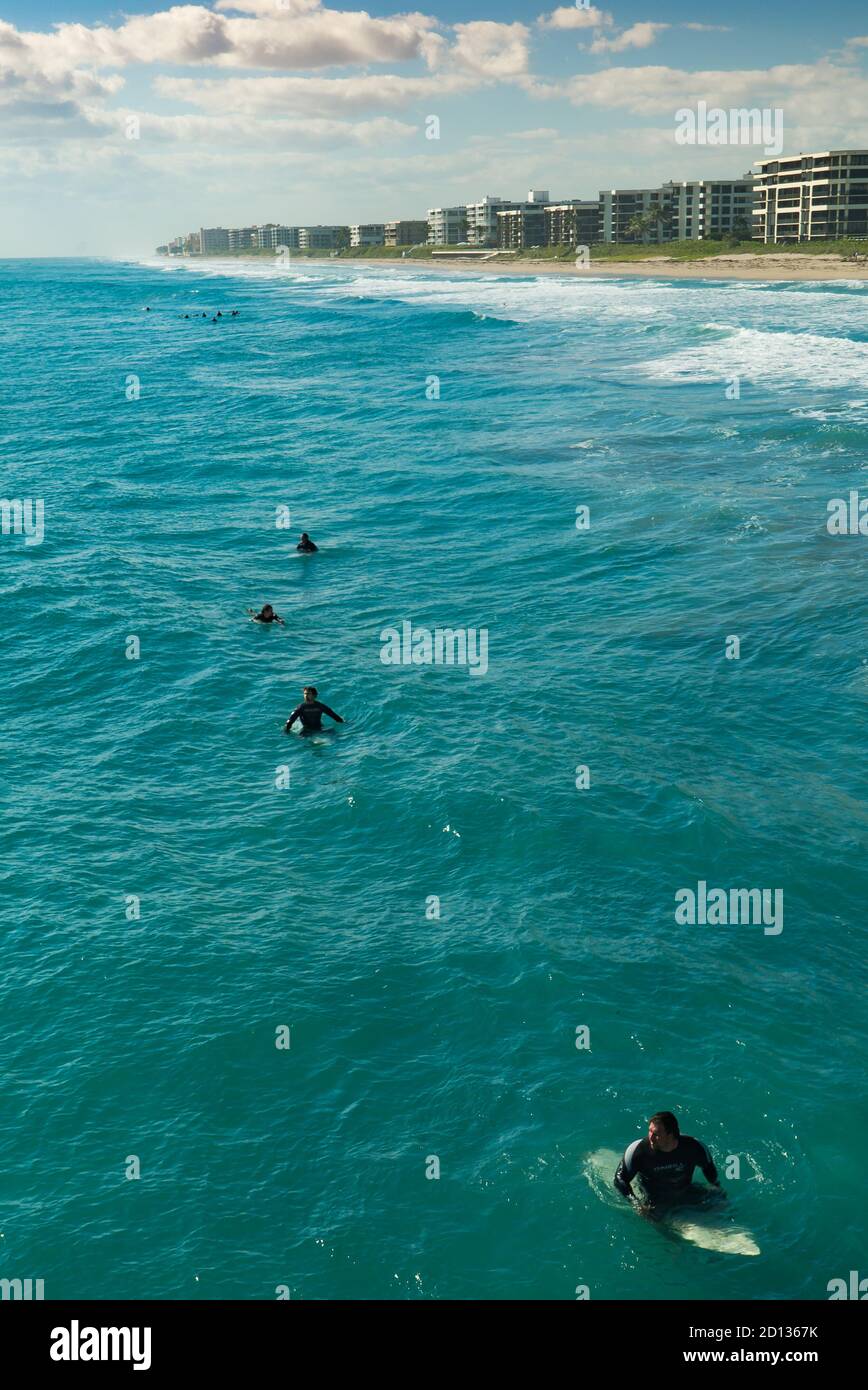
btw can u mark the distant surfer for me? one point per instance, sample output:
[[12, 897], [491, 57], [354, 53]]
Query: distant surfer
[[663, 1164], [266, 615], [310, 712], [306, 545]]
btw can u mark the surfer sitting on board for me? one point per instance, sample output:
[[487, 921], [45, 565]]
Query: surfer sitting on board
[[663, 1163], [310, 712]]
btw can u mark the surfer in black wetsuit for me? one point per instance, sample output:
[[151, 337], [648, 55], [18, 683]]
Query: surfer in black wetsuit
[[267, 615], [310, 713], [306, 544], [663, 1163]]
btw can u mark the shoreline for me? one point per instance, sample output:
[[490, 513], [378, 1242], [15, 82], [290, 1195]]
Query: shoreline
[[785, 266]]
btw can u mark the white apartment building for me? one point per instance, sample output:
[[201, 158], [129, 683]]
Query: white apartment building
[[447, 226], [482, 219], [272, 236], [242, 238], [368, 234], [812, 197], [322, 238], [698, 210]]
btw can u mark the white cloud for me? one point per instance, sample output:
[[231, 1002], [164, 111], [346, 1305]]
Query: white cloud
[[232, 131], [640, 35], [829, 96], [310, 95], [491, 50], [571, 17], [188, 35]]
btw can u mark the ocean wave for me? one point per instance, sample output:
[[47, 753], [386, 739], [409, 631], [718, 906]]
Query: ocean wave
[[773, 358]]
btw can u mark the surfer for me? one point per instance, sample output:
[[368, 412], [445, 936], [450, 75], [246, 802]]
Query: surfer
[[267, 615], [310, 712], [663, 1163], [306, 544]]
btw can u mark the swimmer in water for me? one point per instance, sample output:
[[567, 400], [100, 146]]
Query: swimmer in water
[[306, 545], [310, 713], [267, 615]]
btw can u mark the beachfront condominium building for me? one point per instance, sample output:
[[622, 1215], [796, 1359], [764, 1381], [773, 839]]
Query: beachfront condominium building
[[272, 236], [213, 241], [710, 209], [368, 234], [812, 197], [621, 210], [242, 238], [686, 211], [411, 233], [482, 219], [573, 223], [447, 226], [522, 226], [323, 238]]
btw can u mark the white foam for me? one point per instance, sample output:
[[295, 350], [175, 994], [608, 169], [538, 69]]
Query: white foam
[[770, 358], [756, 337]]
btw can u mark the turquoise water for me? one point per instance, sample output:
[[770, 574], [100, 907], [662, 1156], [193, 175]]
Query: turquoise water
[[305, 906]]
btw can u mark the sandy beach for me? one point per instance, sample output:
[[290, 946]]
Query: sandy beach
[[789, 266]]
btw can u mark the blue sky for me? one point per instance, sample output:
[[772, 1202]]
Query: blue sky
[[122, 127]]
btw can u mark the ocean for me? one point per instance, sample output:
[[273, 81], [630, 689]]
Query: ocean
[[344, 1017]]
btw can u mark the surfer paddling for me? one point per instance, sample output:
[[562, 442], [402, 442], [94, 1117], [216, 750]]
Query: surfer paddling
[[310, 712], [266, 615], [663, 1164]]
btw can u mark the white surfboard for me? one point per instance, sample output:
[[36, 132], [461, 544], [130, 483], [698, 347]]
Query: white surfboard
[[726, 1240], [694, 1228]]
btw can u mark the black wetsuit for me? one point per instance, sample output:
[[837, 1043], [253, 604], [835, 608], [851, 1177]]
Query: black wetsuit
[[664, 1176], [307, 547], [310, 714]]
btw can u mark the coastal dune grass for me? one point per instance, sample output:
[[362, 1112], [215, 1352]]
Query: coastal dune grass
[[600, 251]]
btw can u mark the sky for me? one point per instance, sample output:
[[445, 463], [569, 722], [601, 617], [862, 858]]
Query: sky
[[120, 128]]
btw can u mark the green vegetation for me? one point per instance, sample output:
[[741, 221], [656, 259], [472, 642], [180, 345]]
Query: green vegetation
[[697, 250], [601, 251]]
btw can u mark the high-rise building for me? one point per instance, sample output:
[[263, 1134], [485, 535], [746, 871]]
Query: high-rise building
[[521, 226], [368, 234], [573, 223], [692, 210], [812, 197], [323, 238], [213, 240], [412, 233], [620, 206], [447, 226], [482, 219], [272, 236], [241, 238]]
